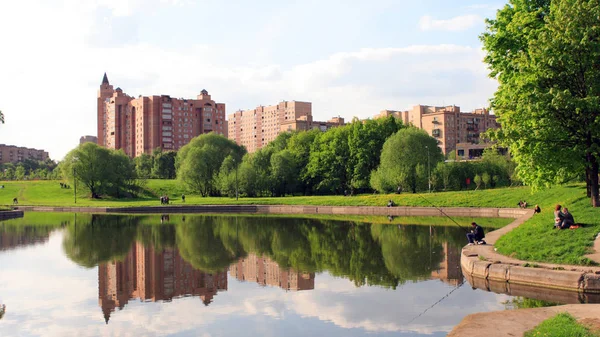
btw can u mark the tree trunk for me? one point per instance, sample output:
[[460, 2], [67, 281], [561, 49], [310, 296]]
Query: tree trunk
[[588, 185]]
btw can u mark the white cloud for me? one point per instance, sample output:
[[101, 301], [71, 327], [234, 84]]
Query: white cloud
[[62, 75], [455, 24]]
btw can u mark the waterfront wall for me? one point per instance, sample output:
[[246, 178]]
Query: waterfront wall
[[4, 215], [484, 274], [281, 209]]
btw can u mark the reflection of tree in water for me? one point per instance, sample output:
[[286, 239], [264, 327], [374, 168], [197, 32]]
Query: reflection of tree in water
[[385, 255], [94, 239]]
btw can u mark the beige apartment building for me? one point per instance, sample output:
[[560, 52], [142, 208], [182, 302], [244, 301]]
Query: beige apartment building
[[15, 154], [266, 272], [257, 127], [447, 124], [88, 139], [140, 125]]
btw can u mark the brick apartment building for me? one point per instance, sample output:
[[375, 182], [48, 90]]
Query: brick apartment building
[[88, 139], [151, 275], [452, 128], [266, 272], [140, 125], [257, 127], [15, 154]]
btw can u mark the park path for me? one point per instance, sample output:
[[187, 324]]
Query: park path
[[517, 322]]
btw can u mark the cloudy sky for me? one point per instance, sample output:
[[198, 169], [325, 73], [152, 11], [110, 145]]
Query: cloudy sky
[[350, 58]]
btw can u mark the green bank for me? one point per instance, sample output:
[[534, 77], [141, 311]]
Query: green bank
[[536, 240]]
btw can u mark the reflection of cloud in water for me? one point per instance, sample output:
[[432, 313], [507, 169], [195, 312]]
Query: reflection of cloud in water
[[63, 301]]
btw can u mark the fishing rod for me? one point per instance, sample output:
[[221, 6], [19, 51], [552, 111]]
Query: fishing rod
[[436, 303], [444, 213]]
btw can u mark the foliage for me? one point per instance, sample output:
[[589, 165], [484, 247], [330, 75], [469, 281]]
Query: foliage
[[404, 161], [563, 324], [100, 170], [198, 163], [546, 58]]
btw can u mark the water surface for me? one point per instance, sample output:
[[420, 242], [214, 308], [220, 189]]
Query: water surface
[[193, 275]]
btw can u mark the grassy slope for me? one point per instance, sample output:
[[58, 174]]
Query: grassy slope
[[535, 240], [562, 324]]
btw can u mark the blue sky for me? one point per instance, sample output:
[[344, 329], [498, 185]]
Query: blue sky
[[350, 58]]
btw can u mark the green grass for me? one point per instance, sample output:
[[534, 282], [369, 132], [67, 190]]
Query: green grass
[[536, 240], [562, 324]]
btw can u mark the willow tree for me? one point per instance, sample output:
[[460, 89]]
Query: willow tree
[[545, 55]]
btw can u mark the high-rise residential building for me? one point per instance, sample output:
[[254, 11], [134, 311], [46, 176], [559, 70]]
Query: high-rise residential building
[[266, 272], [151, 275], [257, 127], [15, 154], [88, 139], [140, 125], [448, 124]]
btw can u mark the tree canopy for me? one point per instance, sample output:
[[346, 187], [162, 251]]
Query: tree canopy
[[546, 57]]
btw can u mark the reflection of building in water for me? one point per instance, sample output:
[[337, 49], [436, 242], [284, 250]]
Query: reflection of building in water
[[449, 270], [265, 271], [29, 237], [151, 275]]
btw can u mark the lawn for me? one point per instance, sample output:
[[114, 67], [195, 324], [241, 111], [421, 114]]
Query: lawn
[[562, 324], [536, 240]]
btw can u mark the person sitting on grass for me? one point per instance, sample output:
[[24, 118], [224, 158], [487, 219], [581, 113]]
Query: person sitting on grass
[[537, 209], [558, 216], [390, 203], [476, 235], [568, 220]]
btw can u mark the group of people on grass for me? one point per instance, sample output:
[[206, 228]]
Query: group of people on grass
[[562, 218]]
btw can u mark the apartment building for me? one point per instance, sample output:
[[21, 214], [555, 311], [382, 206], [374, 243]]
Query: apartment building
[[448, 124], [266, 272], [88, 139], [139, 125], [257, 127], [15, 154]]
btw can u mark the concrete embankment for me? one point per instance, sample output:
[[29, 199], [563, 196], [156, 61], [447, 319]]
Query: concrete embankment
[[516, 322], [282, 209], [5, 215]]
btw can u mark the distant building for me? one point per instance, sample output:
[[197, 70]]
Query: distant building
[[257, 127], [264, 271], [140, 125], [88, 139], [15, 154], [447, 124]]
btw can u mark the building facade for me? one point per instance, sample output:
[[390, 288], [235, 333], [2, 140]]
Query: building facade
[[15, 154], [257, 127], [447, 124], [88, 139], [140, 125], [151, 275], [266, 272]]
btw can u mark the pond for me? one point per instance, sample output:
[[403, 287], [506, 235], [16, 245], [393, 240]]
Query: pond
[[191, 275]]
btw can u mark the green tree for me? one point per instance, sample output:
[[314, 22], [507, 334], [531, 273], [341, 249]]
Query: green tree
[[284, 172], [164, 164], [144, 165], [546, 57], [401, 155], [328, 164], [486, 179], [198, 163], [100, 170], [20, 172]]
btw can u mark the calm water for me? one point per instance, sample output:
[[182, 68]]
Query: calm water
[[106, 275]]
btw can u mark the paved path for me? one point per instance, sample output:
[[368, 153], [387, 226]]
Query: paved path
[[517, 322]]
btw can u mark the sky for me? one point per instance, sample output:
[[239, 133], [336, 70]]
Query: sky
[[349, 58]]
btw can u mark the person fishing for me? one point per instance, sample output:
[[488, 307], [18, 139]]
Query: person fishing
[[476, 236]]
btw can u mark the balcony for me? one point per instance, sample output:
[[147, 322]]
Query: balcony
[[436, 132]]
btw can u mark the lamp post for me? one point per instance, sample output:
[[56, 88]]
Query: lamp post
[[74, 185], [428, 169], [236, 179]]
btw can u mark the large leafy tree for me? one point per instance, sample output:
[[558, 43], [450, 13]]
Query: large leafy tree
[[546, 57], [198, 163], [405, 160]]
